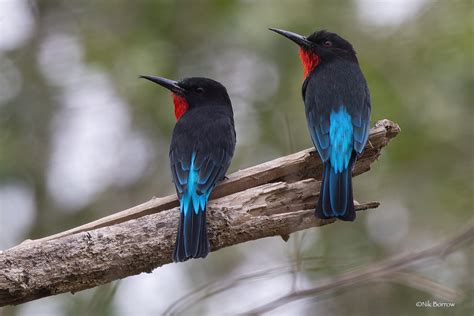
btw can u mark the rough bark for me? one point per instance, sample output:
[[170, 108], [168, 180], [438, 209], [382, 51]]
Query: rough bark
[[274, 198]]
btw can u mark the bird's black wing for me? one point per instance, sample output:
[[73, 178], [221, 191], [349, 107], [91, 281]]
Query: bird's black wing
[[361, 123]]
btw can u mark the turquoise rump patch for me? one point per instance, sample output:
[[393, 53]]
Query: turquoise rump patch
[[340, 138], [190, 197]]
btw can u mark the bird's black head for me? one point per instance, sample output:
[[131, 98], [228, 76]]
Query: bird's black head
[[320, 47], [327, 43], [194, 92]]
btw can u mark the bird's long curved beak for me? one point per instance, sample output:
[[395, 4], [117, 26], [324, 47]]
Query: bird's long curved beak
[[171, 85], [298, 39]]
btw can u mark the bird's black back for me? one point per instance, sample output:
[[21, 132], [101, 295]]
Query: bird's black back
[[209, 133], [330, 85]]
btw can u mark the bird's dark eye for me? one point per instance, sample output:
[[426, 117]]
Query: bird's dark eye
[[327, 44], [200, 90]]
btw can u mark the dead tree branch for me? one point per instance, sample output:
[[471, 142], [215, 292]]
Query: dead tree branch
[[274, 198]]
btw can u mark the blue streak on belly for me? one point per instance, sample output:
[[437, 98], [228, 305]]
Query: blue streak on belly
[[340, 138], [191, 197]]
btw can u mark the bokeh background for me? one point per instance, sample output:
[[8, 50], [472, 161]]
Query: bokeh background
[[82, 137]]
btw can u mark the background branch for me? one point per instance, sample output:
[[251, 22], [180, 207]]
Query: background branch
[[385, 270], [274, 198]]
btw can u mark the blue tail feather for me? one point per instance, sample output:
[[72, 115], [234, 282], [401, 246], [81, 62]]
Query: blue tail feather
[[336, 198], [336, 188], [192, 240]]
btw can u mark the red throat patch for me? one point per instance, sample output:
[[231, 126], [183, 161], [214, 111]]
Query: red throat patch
[[180, 105], [310, 61]]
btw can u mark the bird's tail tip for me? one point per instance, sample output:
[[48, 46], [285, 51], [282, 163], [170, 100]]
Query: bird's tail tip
[[349, 215]]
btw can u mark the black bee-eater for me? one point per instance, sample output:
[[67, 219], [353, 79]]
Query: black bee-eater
[[337, 106], [201, 149]]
